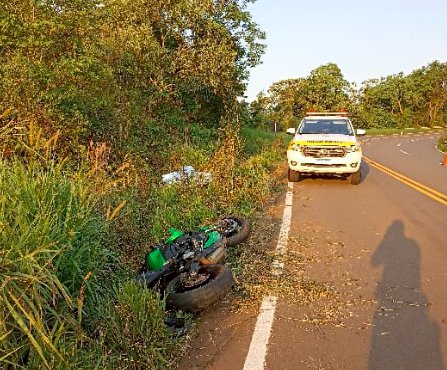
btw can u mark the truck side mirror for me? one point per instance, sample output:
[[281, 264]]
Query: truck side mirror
[[291, 131], [361, 132]]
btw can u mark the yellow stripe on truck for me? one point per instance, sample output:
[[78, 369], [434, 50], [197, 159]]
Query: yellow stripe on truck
[[322, 143]]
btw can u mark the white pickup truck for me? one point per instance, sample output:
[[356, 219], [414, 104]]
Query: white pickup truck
[[325, 143]]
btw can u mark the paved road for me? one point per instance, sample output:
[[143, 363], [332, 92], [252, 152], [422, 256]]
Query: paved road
[[412, 155], [383, 247], [372, 260]]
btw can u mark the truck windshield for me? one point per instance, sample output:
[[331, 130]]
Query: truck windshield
[[325, 126]]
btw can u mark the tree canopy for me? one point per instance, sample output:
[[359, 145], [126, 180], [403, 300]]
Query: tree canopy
[[99, 69], [288, 100], [416, 99]]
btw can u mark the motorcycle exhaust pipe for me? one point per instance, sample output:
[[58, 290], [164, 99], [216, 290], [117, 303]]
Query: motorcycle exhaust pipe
[[215, 257]]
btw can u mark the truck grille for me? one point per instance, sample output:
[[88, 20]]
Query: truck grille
[[324, 152], [323, 165]]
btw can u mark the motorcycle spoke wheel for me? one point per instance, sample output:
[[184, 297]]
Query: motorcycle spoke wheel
[[235, 228]]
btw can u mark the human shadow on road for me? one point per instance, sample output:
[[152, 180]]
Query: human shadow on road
[[403, 336]]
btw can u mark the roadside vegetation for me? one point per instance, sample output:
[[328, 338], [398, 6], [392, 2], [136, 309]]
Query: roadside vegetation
[[394, 102], [97, 101], [402, 131], [72, 239], [442, 144]]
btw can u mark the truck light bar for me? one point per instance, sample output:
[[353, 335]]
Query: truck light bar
[[343, 113]]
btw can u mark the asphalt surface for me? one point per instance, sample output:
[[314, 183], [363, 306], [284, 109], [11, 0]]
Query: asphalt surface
[[412, 155], [375, 268]]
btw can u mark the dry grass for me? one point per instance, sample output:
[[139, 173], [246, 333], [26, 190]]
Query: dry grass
[[322, 303]]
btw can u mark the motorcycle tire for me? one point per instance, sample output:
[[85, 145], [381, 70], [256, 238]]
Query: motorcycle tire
[[197, 298], [241, 233]]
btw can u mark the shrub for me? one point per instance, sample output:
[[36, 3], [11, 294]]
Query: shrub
[[442, 143]]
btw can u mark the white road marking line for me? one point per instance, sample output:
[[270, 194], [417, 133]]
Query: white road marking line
[[281, 247], [257, 352], [258, 347], [399, 144], [403, 152]]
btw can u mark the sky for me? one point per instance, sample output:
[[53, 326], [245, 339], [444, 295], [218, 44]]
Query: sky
[[365, 38]]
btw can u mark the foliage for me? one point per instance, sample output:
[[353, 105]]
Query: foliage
[[287, 101], [130, 332], [442, 144], [418, 99], [240, 183], [113, 70], [63, 229], [396, 101], [97, 100], [255, 140], [399, 131]]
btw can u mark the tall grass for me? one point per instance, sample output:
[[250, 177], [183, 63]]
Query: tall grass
[[241, 182], [69, 242], [255, 140], [132, 334], [50, 261]]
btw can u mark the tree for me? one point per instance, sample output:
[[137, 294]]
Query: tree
[[327, 89], [103, 69], [417, 99], [288, 100]]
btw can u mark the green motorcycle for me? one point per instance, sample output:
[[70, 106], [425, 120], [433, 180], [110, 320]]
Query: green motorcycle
[[187, 267]]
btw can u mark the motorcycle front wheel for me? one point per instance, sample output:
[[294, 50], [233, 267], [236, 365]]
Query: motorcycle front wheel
[[213, 282], [235, 228]]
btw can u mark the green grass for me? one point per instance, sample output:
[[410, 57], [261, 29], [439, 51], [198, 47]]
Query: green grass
[[256, 139], [241, 184], [391, 131], [130, 332], [63, 303], [50, 241], [442, 144]]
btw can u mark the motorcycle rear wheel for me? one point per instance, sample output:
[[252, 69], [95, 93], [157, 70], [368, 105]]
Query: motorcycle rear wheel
[[196, 298]]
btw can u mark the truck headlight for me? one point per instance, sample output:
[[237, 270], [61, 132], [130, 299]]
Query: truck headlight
[[296, 147], [354, 148]]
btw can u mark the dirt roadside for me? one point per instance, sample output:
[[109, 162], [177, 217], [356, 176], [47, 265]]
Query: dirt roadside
[[316, 293], [221, 335]]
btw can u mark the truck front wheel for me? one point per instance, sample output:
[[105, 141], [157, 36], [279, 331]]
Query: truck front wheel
[[294, 176], [354, 178]]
